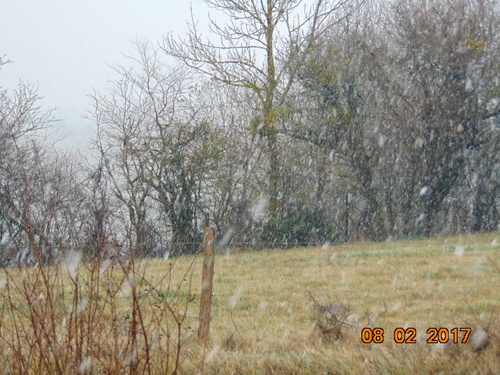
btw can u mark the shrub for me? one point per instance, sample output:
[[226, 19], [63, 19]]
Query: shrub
[[95, 316], [331, 319]]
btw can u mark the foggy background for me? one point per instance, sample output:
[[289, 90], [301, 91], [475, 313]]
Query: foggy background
[[69, 48]]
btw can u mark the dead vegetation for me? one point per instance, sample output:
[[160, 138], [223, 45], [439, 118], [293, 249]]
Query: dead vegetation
[[92, 317]]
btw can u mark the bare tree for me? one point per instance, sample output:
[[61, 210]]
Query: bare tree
[[261, 48], [157, 148], [32, 181]]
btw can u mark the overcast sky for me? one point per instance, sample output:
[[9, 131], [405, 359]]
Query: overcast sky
[[67, 47]]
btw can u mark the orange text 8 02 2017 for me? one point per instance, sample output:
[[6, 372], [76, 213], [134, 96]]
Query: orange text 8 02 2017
[[409, 335]]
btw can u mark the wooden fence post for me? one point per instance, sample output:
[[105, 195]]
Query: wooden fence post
[[207, 279]]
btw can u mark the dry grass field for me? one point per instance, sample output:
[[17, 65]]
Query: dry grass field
[[297, 311], [264, 319]]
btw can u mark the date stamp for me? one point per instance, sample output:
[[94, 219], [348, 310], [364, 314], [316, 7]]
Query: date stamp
[[409, 335]]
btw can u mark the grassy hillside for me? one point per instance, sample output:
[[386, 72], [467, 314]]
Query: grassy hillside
[[264, 320], [297, 311]]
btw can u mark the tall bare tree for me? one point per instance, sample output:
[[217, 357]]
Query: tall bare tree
[[261, 48]]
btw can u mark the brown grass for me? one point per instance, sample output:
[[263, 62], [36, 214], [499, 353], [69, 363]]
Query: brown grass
[[264, 319], [262, 305]]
